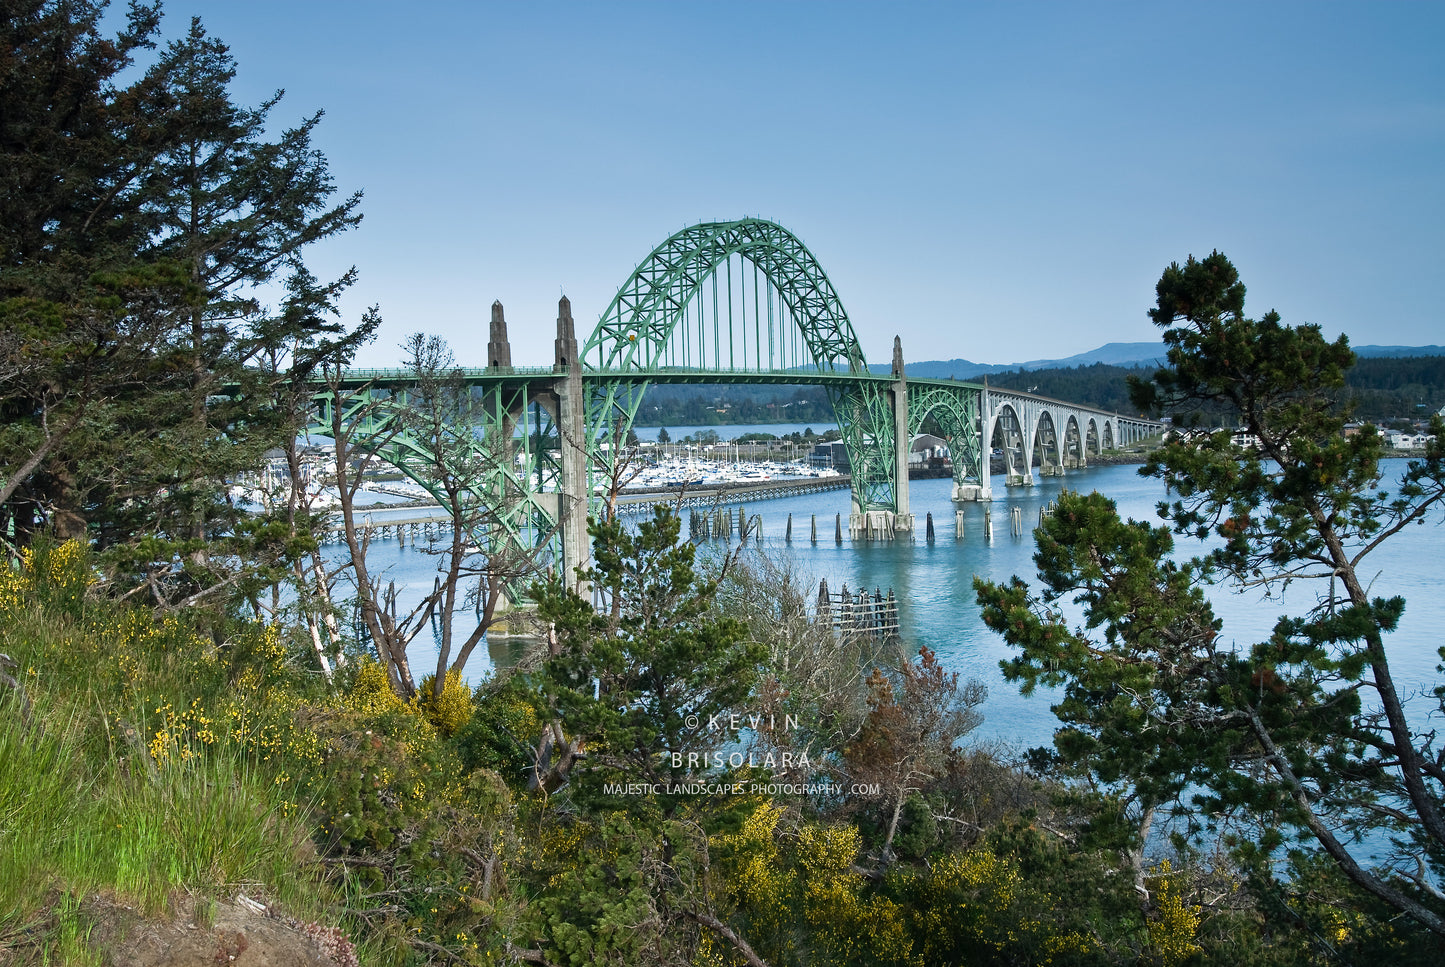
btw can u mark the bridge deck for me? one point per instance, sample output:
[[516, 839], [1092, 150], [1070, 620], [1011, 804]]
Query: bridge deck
[[385, 378]]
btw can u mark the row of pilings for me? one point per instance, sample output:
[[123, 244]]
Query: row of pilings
[[718, 523], [425, 529], [723, 524], [875, 614]]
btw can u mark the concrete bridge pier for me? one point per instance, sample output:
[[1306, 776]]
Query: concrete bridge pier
[[902, 523], [964, 493], [571, 425], [985, 471]]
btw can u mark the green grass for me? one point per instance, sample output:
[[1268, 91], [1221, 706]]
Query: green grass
[[169, 763], [84, 811], [42, 781], [205, 825]]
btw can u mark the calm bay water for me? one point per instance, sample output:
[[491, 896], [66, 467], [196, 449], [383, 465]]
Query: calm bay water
[[934, 583]]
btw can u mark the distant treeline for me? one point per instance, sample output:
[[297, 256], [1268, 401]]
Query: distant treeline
[[728, 405], [1384, 389], [1098, 385]]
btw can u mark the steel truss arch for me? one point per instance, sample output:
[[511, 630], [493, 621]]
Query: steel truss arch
[[636, 327], [650, 308], [955, 412]]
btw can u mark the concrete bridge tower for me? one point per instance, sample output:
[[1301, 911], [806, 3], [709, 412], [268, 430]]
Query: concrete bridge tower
[[902, 444], [572, 430]]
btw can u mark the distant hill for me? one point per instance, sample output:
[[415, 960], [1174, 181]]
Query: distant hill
[[1398, 351], [1127, 354]]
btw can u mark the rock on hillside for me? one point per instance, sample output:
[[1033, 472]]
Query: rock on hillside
[[233, 933]]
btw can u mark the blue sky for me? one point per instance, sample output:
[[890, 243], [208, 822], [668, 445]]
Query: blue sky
[[996, 182]]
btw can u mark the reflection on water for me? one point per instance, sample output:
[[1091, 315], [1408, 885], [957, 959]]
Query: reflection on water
[[934, 583]]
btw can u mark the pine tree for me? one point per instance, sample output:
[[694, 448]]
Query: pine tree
[[138, 361], [80, 316], [645, 687], [1307, 732]]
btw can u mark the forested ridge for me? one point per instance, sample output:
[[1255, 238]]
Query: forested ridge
[[214, 747], [1382, 389], [672, 405]]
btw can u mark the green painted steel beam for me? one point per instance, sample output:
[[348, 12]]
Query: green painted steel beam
[[955, 411], [508, 448]]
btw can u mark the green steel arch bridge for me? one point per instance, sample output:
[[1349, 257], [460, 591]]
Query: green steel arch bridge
[[717, 303]]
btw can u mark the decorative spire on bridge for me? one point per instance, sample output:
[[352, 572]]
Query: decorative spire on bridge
[[566, 335], [499, 349], [897, 356]]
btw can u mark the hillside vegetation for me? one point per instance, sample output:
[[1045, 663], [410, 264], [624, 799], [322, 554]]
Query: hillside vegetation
[[161, 767]]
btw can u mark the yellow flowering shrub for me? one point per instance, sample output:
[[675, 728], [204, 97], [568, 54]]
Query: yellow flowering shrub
[[449, 713], [853, 927], [12, 588], [1173, 927], [761, 882], [813, 882], [371, 692], [57, 574]]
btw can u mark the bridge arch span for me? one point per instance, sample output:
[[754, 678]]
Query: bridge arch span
[[1006, 435], [686, 313], [1047, 442], [1072, 445], [955, 415], [640, 324]]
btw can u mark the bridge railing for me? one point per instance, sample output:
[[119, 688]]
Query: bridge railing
[[403, 374]]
